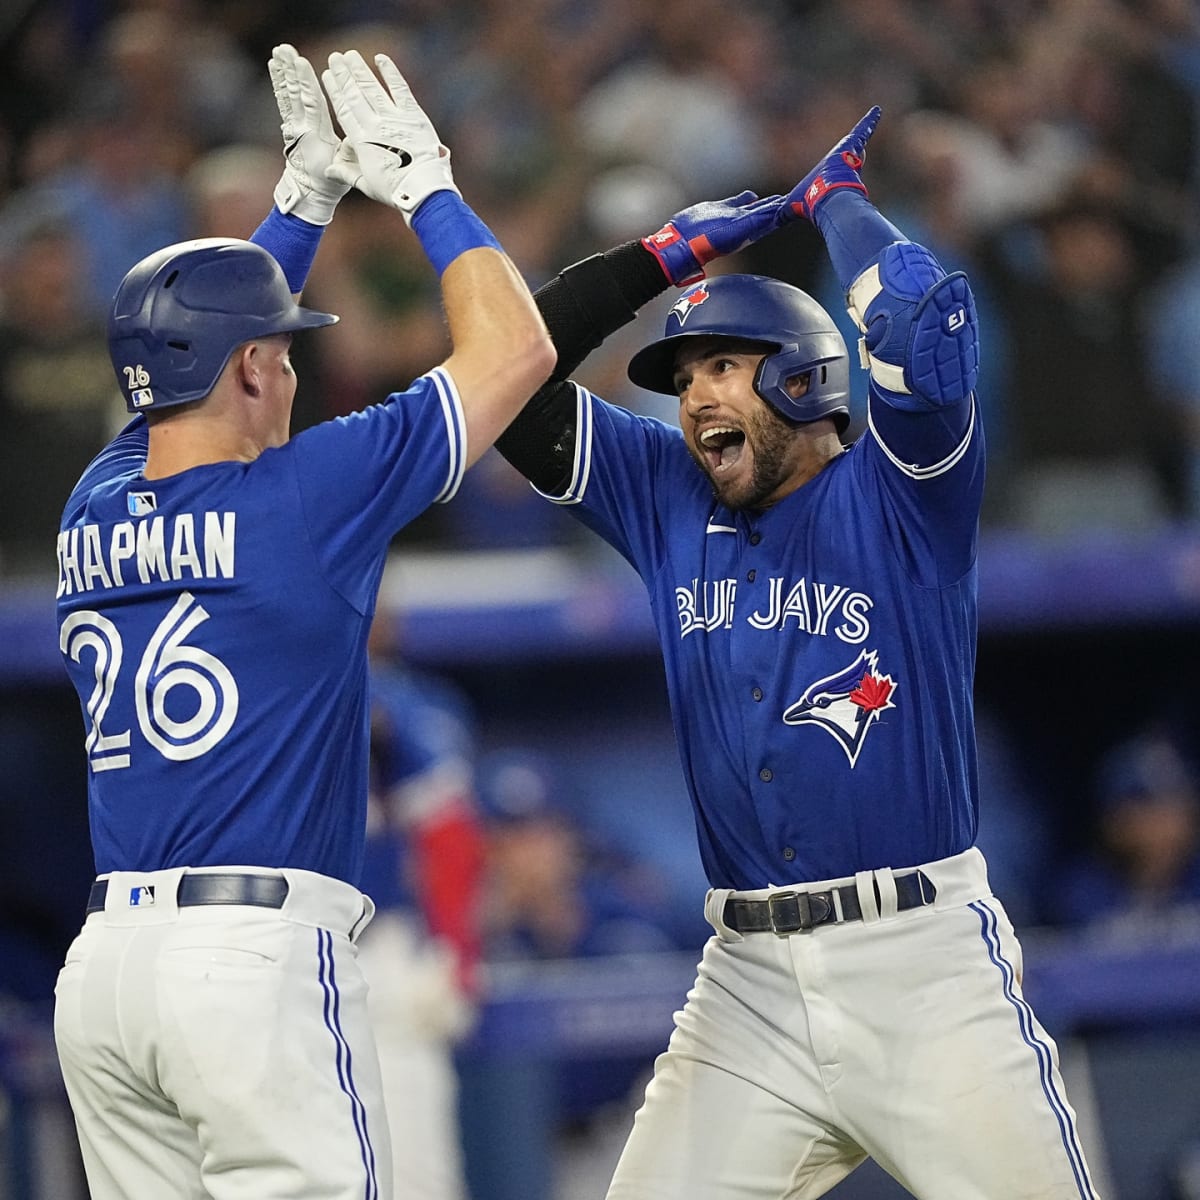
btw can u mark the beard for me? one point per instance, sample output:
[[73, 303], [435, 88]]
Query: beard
[[771, 442]]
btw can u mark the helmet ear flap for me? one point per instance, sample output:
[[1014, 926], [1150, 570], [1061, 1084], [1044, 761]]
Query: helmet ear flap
[[823, 357], [755, 308]]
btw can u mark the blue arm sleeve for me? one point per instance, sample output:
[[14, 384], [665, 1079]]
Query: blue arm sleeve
[[292, 243], [855, 233]]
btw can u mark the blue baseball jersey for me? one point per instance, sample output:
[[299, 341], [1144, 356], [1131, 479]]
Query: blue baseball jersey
[[819, 654], [215, 622], [422, 747]]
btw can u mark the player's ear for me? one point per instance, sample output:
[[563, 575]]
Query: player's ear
[[247, 365]]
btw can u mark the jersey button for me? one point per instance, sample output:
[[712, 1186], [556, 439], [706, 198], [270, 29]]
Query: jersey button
[[750, 575], [755, 538], [766, 774], [789, 853], [757, 693]]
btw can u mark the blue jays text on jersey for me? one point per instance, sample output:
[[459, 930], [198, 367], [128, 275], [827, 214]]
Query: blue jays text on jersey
[[819, 654], [214, 624], [708, 606]]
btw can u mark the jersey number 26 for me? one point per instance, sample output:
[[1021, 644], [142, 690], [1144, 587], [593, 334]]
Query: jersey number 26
[[168, 662]]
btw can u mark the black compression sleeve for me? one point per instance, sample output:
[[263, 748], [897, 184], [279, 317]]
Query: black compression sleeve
[[540, 443], [585, 303], [581, 306]]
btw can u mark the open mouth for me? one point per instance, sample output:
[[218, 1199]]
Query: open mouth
[[722, 446]]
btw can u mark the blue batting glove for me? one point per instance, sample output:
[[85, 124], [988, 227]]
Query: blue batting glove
[[838, 169], [709, 230]]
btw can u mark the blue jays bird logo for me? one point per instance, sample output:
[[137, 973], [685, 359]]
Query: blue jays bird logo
[[846, 704], [685, 305]]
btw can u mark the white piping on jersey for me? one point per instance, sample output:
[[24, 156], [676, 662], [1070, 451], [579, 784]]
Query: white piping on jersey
[[582, 469], [712, 527], [456, 429], [939, 468]]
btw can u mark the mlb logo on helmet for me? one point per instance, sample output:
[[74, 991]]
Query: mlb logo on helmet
[[685, 305], [141, 398]]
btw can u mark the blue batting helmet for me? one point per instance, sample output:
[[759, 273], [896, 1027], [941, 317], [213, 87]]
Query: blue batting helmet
[[180, 313], [756, 308]]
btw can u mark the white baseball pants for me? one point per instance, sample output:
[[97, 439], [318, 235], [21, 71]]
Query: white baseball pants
[[904, 1037], [223, 1051]]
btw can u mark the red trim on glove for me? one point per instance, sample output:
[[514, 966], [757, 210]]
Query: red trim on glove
[[704, 251], [667, 236], [818, 190]]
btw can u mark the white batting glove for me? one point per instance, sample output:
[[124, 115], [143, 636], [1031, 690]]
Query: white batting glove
[[310, 145], [397, 157]]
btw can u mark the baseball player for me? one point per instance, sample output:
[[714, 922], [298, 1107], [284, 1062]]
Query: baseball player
[[216, 587], [816, 608], [423, 869]]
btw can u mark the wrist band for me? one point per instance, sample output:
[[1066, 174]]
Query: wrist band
[[447, 227], [681, 260], [292, 243]]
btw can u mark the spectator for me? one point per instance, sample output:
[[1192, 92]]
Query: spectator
[[1096, 446], [552, 890], [1141, 879], [679, 108], [59, 402], [1105, 66], [555, 891], [225, 187], [1174, 362], [122, 199], [1001, 155]]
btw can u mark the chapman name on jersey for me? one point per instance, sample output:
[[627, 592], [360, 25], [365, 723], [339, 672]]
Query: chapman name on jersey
[[154, 549]]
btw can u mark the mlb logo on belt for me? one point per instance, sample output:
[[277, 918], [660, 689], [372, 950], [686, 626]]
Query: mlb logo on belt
[[141, 897]]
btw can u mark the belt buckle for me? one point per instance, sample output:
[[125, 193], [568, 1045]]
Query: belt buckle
[[789, 912]]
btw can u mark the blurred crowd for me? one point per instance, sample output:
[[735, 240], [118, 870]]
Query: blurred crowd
[[1048, 147]]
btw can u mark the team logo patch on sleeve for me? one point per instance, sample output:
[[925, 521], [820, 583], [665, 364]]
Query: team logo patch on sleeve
[[847, 703]]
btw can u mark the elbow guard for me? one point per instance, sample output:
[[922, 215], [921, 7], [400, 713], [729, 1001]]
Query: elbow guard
[[920, 332]]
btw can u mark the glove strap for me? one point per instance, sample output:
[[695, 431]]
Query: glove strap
[[306, 204], [682, 260], [821, 187], [446, 227]]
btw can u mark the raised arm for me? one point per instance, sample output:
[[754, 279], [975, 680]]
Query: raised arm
[[501, 352], [306, 194], [591, 299], [920, 338]]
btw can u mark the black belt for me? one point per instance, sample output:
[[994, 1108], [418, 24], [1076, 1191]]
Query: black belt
[[794, 911], [210, 887]]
